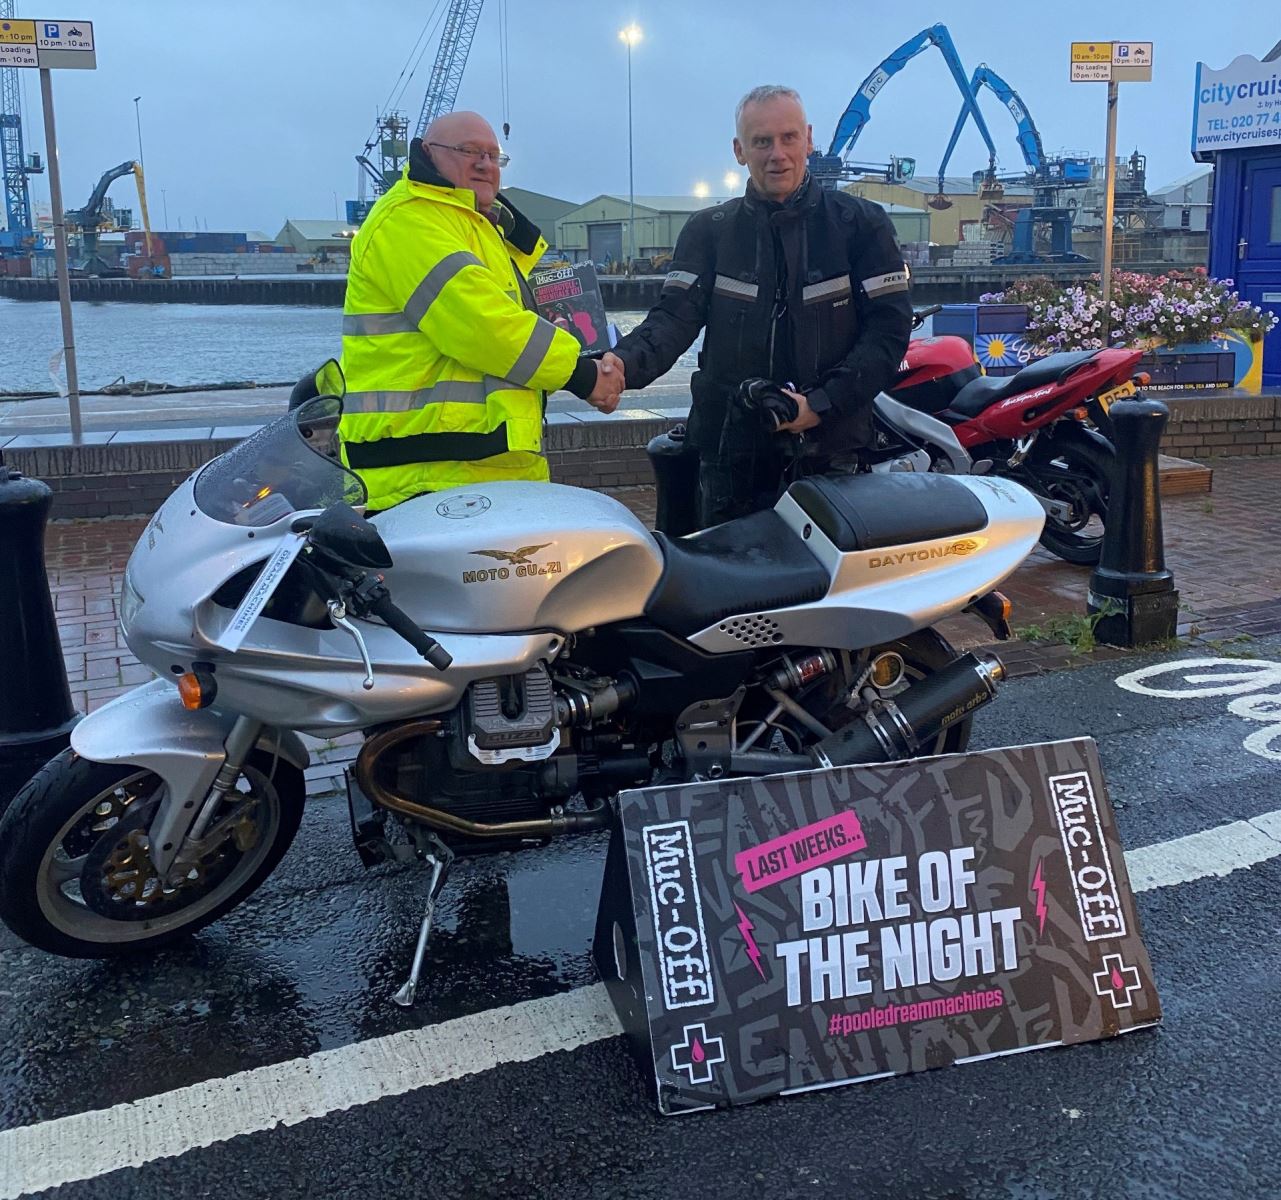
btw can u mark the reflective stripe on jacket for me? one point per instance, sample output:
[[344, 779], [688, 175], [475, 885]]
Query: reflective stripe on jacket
[[444, 364]]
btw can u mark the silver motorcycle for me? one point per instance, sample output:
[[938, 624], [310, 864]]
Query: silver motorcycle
[[543, 651]]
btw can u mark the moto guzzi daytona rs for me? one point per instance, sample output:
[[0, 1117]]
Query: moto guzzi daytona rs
[[543, 650]]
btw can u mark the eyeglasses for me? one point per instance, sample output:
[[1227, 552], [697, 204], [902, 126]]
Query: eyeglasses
[[500, 159]]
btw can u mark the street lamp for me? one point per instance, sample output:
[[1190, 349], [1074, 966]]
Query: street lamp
[[631, 35], [732, 180], [701, 191], [137, 114]]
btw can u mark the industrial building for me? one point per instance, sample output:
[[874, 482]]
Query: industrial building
[[545, 211], [1185, 203], [597, 231], [947, 227], [313, 237]]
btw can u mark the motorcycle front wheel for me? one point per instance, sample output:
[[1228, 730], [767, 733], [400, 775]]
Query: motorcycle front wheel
[[1070, 466], [76, 878]]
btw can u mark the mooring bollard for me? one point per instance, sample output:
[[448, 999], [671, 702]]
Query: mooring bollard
[[675, 465], [1131, 586], [36, 714]]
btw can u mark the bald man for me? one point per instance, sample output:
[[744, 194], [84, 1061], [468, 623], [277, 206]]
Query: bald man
[[446, 363]]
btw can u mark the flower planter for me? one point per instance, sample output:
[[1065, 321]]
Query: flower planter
[[997, 332]]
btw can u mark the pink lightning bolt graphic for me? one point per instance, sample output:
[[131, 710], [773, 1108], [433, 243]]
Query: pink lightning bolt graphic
[[745, 927], [1038, 886]]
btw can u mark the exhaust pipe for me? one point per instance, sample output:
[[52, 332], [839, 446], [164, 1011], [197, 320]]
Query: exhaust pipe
[[897, 729]]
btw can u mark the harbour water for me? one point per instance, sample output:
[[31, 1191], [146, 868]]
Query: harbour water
[[183, 344]]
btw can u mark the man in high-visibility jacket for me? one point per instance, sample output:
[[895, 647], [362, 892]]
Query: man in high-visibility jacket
[[445, 363]]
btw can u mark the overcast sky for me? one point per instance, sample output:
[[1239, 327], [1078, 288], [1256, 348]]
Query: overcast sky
[[253, 112]]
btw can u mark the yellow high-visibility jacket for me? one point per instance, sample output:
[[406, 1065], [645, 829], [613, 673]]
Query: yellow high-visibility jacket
[[444, 360]]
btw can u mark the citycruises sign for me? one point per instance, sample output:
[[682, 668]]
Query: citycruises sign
[[1237, 107]]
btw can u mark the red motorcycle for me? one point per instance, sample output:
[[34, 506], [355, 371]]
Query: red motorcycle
[[1046, 426]]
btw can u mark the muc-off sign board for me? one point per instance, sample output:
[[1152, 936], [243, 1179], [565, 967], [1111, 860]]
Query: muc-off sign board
[[761, 937]]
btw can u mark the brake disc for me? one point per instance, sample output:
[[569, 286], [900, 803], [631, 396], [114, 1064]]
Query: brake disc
[[120, 881]]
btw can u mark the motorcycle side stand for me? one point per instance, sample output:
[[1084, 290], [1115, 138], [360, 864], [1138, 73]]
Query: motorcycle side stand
[[440, 858]]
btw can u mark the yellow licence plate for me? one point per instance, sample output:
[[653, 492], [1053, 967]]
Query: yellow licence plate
[[1117, 393]]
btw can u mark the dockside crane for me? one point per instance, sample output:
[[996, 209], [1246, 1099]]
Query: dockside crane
[[836, 165], [1046, 216], [19, 239], [392, 130], [1042, 172], [89, 219], [451, 61]]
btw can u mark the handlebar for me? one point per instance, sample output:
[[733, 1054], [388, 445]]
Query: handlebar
[[368, 596], [400, 622], [919, 315]]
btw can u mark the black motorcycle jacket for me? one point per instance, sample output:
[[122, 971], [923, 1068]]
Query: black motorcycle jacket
[[813, 292]]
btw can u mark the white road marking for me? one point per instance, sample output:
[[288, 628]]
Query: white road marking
[[1212, 852], [90, 1144], [87, 1145], [1231, 677]]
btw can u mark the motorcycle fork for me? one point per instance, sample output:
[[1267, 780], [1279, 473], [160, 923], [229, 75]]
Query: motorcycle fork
[[178, 823]]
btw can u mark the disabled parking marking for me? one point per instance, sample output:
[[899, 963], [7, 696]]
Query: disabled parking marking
[[87, 1145]]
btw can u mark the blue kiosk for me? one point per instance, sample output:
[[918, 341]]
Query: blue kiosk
[[1237, 126]]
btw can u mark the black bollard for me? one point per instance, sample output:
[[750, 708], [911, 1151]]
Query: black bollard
[[1131, 584], [675, 465], [36, 716]]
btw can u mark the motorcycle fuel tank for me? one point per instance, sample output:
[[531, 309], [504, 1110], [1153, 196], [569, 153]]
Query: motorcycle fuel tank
[[933, 371], [502, 557]]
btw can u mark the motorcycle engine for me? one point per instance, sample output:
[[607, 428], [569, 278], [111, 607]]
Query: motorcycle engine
[[506, 752]]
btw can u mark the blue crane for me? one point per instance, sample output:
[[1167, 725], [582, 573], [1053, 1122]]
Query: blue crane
[[451, 61], [1042, 171], [1044, 175], [859, 111], [20, 236]]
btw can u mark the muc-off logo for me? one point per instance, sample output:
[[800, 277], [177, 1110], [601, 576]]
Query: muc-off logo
[[681, 941], [1089, 866]]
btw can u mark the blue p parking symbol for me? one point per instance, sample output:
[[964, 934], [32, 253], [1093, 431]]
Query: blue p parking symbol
[[51, 29]]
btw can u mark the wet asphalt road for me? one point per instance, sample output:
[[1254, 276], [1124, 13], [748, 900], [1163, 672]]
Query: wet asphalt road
[[310, 962]]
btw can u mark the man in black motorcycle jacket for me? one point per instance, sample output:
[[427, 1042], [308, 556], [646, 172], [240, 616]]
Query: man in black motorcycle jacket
[[793, 283]]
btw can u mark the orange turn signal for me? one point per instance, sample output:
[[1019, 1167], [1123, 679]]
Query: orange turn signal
[[197, 690], [1080, 414]]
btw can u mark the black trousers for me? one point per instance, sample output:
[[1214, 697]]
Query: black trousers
[[741, 482]]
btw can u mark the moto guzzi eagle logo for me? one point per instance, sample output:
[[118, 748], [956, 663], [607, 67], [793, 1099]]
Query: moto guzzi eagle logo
[[513, 557], [517, 563]]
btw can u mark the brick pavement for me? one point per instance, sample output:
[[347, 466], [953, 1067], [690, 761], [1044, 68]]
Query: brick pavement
[[1220, 548]]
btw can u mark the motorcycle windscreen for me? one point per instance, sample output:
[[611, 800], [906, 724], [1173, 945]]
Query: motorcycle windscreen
[[290, 465]]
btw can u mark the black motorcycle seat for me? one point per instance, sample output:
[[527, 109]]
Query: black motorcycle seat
[[979, 394], [986, 390], [744, 566], [869, 512]]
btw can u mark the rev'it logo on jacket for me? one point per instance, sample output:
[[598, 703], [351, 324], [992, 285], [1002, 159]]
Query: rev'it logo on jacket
[[956, 549]]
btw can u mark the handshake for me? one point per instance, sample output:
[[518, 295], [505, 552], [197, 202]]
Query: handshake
[[610, 382]]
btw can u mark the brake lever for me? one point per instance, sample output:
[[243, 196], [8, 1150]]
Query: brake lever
[[338, 615]]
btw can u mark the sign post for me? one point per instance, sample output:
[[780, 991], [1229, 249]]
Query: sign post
[[45, 44], [1111, 63]]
